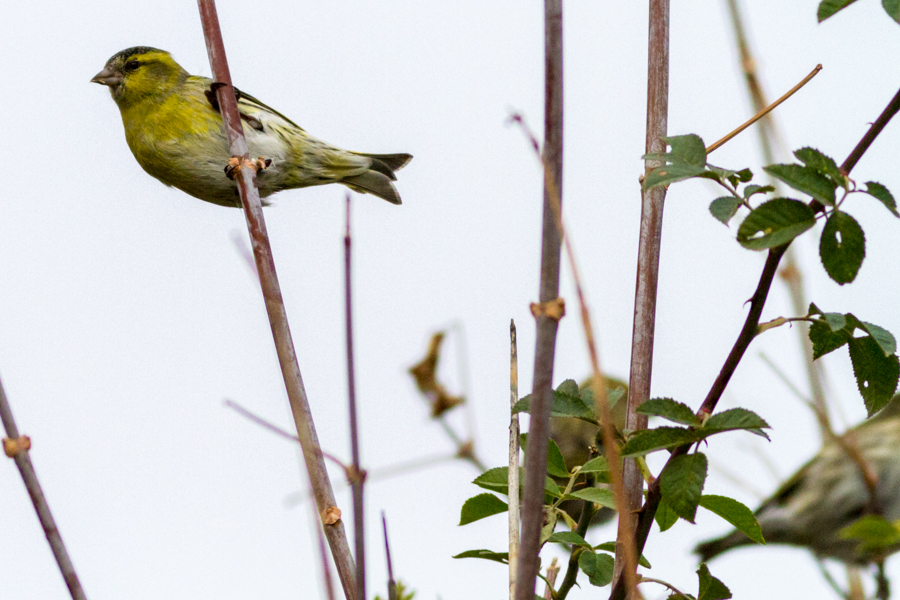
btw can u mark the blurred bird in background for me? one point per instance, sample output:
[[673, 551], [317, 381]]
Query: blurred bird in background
[[829, 493], [575, 439]]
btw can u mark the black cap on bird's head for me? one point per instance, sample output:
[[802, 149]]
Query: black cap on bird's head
[[123, 64]]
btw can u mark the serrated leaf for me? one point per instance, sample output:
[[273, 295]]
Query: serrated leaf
[[880, 192], [752, 189], [736, 418], [892, 8], [805, 179], [882, 337], [598, 567], [660, 438], [597, 495], [672, 410], [567, 402], [669, 174], [556, 464], [820, 162], [825, 340], [842, 247], [611, 547], [711, 588], [724, 208], [774, 223], [828, 8], [735, 513], [681, 483], [481, 506], [876, 374], [595, 465], [568, 537], [500, 557]]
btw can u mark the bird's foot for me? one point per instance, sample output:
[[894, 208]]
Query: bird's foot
[[235, 164]]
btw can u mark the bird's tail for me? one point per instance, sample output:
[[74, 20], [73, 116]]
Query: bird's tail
[[377, 180]]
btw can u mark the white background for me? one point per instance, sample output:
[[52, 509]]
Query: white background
[[127, 314]]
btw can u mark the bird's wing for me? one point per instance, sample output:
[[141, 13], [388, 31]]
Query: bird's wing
[[252, 109]]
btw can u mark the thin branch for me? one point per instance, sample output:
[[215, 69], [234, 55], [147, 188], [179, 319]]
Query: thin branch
[[513, 477], [765, 111], [584, 521], [552, 572], [392, 585], [748, 332], [326, 564], [246, 179], [16, 447], [547, 325], [644, 325], [357, 482]]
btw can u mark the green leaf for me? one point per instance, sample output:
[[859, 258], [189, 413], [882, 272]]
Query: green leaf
[[828, 7], [597, 495], [874, 533], [665, 516], [500, 557], [820, 162], [611, 547], [595, 465], [735, 513], [556, 464], [876, 374], [806, 180], [672, 410], [736, 418], [882, 337], [892, 8], [724, 208], [568, 401], [774, 223], [568, 537], [481, 506], [825, 340], [649, 440], [497, 480], [681, 483], [843, 247], [598, 567], [880, 192], [752, 189], [710, 587], [668, 174], [688, 149]]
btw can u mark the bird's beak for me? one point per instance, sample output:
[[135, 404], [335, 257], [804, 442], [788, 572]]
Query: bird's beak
[[108, 76]]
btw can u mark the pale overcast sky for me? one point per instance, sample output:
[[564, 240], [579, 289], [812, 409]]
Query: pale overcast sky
[[128, 315]]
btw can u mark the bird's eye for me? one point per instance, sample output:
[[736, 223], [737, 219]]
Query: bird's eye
[[132, 65]]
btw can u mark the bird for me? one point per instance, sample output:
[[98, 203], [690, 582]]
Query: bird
[[829, 493], [174, 128]]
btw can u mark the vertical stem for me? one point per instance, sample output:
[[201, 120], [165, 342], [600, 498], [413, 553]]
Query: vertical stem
[[281, 333], [539, 429], [358, 480], [513, 477], [29, 477], [392, 585], [647, 276]]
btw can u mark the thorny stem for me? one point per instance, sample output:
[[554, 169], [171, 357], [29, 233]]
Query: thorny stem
[[48, 524], [648, 511], [281, 333], [652, 201], [545, 344], [358, 481]]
